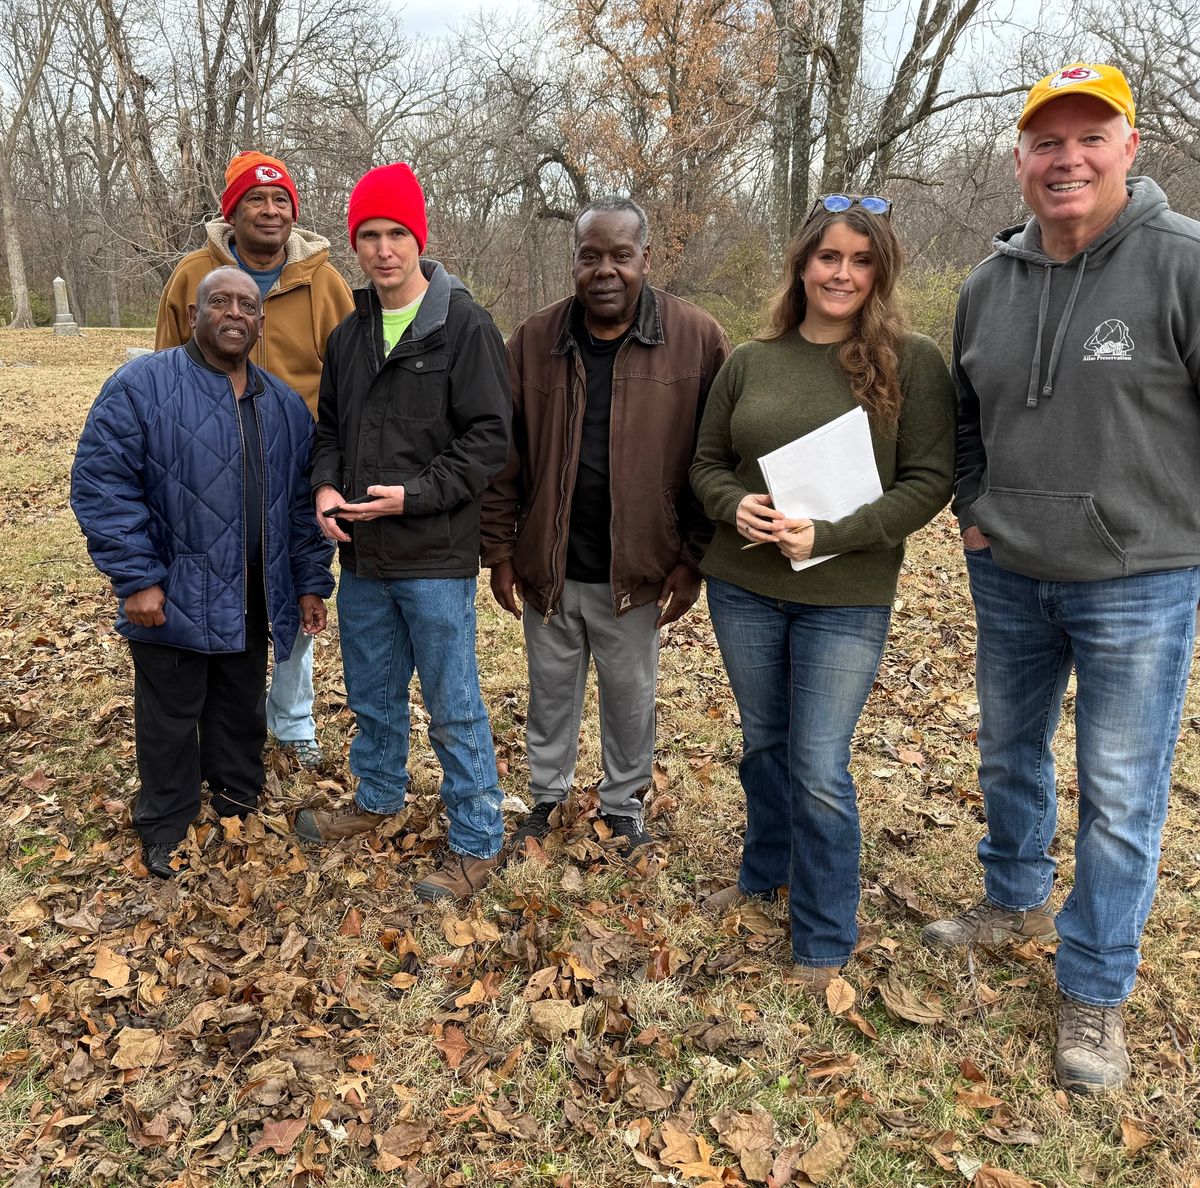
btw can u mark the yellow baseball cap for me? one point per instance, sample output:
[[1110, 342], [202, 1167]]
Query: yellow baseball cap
[[1105, 82]]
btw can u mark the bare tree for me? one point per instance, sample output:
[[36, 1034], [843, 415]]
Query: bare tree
[[29, 28]]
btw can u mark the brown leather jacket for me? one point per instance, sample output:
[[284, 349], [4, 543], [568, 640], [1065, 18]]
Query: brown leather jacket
[[661, 378]]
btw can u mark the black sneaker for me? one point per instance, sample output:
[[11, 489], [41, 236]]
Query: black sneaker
[[157, 857], [628, 831], [537, 825]]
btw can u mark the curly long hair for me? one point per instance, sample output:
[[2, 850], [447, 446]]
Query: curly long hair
[[870, 355]]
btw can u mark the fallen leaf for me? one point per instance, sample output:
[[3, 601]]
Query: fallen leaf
[[453, 1045], [1133, 1136], [976, 1099], [138, 1047], [750, 1135], [902, 1003], [400, 1144], [351, 923], [280, 1136], [996, 1177], [839, 996], [461, 933], [827, 1154], [552, 1018], [110, 967]]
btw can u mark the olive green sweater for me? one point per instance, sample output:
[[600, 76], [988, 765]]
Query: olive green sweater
[[768, 394]]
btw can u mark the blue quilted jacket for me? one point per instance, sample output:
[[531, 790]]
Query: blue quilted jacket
[[157, 489]]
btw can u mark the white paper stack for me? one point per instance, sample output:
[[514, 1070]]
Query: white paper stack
[[825, 475]]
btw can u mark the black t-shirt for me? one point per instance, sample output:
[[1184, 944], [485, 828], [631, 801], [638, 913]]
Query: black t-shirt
[[589, 543], [252, 496]]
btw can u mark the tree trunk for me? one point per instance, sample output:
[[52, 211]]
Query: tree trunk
[[843, 74], [22, 313]]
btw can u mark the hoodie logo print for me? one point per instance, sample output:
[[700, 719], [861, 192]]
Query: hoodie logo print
[[1110, 342]]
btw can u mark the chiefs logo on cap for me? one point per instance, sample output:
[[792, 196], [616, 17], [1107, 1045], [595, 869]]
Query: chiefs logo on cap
[[1076, 74], [266, 174]]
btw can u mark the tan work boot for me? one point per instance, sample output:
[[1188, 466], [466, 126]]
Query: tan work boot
[[813, 979], [320, 828], [988, 925], [458, 877], [1090, 1055]]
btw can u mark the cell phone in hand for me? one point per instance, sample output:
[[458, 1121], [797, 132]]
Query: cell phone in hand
[[336, 511]]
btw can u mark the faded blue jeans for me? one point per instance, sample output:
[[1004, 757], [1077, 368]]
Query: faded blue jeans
[[1130, 642], [801, 675], [388, 629], [290, 698]]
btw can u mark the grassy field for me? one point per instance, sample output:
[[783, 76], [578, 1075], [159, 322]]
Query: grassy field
[[282, 1015]]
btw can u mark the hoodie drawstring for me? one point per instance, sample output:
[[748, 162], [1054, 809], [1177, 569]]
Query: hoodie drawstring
[[1032, 399], [1056, 348]]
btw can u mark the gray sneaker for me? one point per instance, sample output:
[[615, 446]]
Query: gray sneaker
[[988, 925], [306, 752], [1090, 1056]]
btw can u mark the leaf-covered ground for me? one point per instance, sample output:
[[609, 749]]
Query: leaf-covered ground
[[288, 1016]]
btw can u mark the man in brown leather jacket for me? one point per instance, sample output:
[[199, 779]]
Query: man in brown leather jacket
[[592, 524]]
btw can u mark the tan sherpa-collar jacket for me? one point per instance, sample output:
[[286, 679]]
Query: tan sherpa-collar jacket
[[307, 301]]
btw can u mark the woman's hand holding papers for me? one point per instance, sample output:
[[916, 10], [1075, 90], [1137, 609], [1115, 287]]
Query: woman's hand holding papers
[[760, 523]]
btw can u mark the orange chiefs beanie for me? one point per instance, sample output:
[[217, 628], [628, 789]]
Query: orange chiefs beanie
[[250, 169]]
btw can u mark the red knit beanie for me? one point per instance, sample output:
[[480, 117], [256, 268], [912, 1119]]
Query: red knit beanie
[[389, 192], [248, 170]]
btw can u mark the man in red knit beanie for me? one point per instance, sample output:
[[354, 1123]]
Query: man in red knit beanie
[[303, 297], [413, 423]]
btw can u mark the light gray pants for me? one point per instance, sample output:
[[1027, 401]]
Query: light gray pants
[[626, 654]]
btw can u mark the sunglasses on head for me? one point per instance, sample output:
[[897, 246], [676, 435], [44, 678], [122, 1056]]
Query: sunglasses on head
[[836, 203]]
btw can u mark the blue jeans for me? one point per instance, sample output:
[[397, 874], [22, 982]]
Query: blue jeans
[[801, 675], [290, 698], [1130, 642], [387, 629]]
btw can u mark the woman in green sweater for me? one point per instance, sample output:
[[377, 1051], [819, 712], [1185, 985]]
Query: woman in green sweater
[[802, 648]]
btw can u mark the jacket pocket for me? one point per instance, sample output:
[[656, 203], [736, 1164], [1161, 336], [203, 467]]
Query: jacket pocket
[[186, 589], [1053, 536], [414, 539], [418, 390]]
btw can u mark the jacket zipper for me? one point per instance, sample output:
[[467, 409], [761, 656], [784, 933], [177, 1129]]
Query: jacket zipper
[[559, 535], [237, 416], [262, 455]]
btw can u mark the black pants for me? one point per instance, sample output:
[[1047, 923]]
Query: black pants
[[199, 717]]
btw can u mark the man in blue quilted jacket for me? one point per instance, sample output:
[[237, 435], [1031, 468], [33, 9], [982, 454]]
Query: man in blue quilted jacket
[[191, 485]]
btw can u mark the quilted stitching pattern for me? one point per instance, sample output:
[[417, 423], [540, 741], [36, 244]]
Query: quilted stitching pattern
[[157, 490]]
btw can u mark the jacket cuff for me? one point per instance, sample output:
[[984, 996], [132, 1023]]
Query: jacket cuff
[[413, 491], [144, 581], [494, 554]]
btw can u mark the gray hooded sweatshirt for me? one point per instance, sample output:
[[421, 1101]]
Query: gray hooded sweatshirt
[[1078, 387]]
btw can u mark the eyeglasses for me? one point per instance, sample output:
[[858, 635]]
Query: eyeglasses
[[836, 203]]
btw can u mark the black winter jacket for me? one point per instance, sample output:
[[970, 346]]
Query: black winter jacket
[[432, 416]]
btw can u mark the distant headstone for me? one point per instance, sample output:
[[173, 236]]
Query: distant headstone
[[136, 352], [63, 322]]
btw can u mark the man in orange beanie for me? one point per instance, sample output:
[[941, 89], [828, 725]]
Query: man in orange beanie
[[303, 299], [414, 415]]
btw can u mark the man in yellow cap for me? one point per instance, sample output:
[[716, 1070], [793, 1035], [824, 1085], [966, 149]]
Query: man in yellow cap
[[1077, 364], [303, 299]]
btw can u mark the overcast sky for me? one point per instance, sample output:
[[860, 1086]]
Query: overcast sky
[[431, 17]]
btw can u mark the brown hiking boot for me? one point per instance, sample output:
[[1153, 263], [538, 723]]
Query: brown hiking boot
[[813, 979], [988, 925], [458, 877], [1090, 1056], [320, 828]]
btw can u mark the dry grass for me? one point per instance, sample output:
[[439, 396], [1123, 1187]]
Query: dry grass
[[65, 735]]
